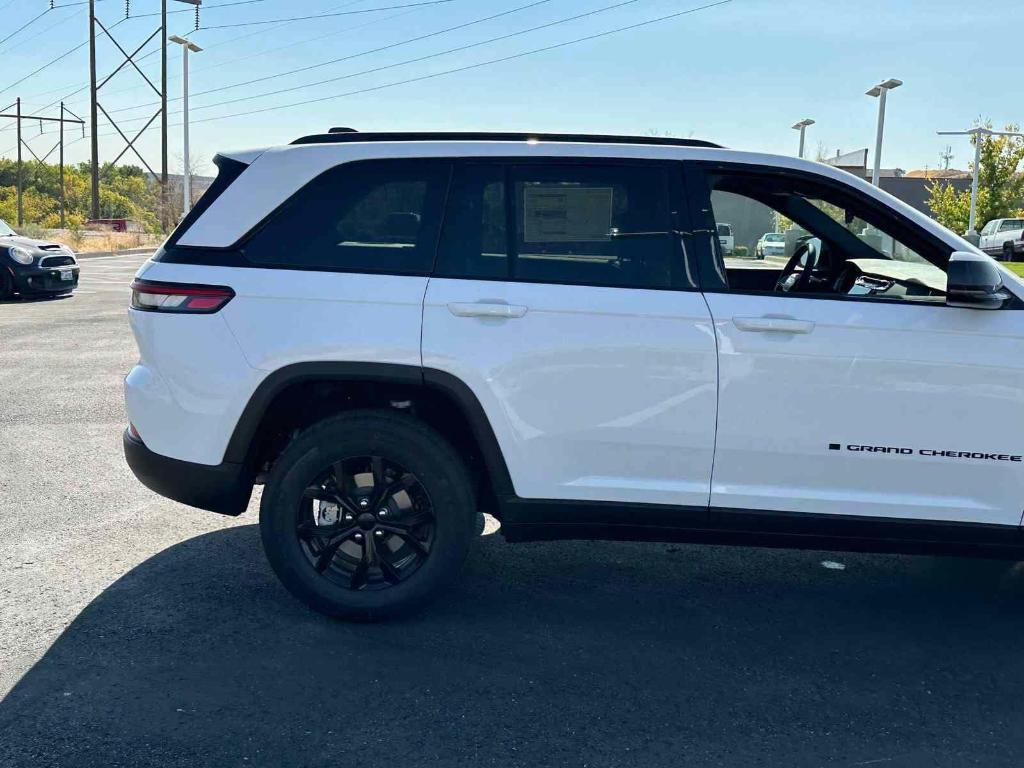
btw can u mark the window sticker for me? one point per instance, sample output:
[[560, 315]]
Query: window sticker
[[554, 213]]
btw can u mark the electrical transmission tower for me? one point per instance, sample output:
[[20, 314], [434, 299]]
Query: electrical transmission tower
[[97, 27], [17, 115]]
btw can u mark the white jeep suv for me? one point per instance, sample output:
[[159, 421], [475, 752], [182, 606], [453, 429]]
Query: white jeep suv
[[393, 332]]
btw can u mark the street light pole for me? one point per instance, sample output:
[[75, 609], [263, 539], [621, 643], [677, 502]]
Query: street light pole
[[979, 134], [802, 127], [880, 91], [186, 178]]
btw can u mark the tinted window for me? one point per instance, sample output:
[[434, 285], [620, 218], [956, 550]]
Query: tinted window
[[1011, 224], [593, 225], [379, 216], [474, 243], [582, 225]]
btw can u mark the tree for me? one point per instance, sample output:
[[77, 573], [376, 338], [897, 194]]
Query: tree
[[126, 191], [1000, 184]]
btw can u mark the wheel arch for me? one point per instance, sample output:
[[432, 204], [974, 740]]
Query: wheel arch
[[301, 393]]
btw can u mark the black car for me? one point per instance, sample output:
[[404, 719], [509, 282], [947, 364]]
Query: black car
[[34, 267]]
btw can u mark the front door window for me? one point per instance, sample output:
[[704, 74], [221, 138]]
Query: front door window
[[803, 239]]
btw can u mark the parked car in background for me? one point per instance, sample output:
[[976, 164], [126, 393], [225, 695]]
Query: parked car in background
[[116, 225], [1003, 238], [34, 267], [725, 237], [771, 244]]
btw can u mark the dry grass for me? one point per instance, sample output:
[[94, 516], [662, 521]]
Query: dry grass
[[93, 242]]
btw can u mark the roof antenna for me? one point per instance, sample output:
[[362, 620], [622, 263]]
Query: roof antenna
[[342, 129]]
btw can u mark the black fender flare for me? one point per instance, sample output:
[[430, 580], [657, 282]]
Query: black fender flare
[[239, 449]]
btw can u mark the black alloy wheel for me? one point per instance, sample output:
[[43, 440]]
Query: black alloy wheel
[[365, 523], [367, 514]]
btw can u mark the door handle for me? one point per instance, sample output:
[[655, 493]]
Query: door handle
[[499, 309], [773, 324]]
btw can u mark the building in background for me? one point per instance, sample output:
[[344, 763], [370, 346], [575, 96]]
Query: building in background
[[909, 186]]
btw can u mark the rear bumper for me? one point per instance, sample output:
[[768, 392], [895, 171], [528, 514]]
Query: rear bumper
[[223, 488]]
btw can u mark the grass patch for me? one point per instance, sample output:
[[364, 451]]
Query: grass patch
[[1015, 266]]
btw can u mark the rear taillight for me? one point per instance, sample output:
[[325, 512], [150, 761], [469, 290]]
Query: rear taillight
[[177, 297]]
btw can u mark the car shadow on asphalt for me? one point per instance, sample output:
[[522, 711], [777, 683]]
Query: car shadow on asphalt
[[584, 653]]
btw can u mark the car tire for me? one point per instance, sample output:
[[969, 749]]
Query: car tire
[[369, 575], [1009, 252]]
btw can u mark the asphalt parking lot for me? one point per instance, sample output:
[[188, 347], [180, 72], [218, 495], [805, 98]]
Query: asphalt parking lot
[[138, 632]]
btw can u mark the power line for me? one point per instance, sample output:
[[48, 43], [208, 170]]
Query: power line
[[214, 45], [427, 57], [53, 61], [469, 67], [50, 63], [40, 33], [325, 15], [417, 59], [25, 26], [400, 43]]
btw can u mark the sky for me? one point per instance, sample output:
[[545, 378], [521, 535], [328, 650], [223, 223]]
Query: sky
[[739, 73]]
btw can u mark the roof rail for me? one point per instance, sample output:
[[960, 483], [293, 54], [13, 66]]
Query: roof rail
[[342, 136]]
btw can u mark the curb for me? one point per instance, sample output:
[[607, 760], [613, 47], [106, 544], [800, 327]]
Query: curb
[[107, 254]]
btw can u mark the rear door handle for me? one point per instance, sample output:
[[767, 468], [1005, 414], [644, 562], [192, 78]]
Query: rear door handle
[[773, 324], [499, 309]]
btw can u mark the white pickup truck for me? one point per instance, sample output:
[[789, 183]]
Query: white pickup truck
[[1003, 238]]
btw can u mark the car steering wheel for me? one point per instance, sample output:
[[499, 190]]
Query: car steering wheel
[[788, 279]]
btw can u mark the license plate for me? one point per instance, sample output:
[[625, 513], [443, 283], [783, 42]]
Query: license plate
[[66, 274]]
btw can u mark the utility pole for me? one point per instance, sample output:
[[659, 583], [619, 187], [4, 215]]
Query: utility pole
[[978, 135], [94, 207], [21, 181], [128, 59], [18, 116], [63, 196], [164, 218]]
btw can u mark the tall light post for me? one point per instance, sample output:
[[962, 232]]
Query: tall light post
[[186, 178], [879, 92], [979, 134], [802, 127]]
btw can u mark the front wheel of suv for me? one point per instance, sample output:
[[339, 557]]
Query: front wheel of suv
[[367, 515]]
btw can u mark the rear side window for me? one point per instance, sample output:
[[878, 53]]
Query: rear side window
[[605, 225], [376, 216]]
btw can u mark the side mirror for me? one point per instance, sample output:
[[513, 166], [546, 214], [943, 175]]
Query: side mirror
[[973, 281]]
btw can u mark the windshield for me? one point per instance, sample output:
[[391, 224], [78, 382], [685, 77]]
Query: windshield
[[5, 231], [775, 237], [724, 230]]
